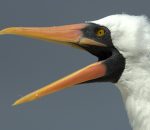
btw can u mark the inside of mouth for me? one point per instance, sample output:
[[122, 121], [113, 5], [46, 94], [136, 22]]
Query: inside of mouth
[[102, 53]]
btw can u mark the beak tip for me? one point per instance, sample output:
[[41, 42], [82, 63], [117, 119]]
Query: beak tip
[[10, 30], [2, 32], [28, 98], [16, 103]]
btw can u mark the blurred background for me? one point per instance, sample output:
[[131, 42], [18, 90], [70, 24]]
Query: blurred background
[[28, 64]]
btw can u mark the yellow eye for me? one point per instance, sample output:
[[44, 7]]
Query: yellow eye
[[100, 32]]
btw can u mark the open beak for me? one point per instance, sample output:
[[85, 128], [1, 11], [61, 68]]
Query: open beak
[[69, 35]]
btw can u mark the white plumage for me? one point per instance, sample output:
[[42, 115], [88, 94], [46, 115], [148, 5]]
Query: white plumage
[[131, 36]]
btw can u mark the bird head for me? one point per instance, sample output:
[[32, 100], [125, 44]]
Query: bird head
[[115, 40], [129, 33]]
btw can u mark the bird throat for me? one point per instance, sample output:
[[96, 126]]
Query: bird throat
[[115, 66]]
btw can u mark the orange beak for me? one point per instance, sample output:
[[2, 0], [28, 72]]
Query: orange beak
[[69, 35]]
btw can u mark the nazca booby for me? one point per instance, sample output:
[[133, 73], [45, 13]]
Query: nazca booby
[[121, 43]]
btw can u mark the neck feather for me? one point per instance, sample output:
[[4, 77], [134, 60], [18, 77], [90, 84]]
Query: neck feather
[[134, 86]]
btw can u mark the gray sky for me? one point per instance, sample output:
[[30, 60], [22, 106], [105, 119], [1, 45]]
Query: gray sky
[[27, 64]]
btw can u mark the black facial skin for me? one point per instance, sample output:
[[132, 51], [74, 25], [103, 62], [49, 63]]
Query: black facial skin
[[115, 65], [90, 32], [113, 60]]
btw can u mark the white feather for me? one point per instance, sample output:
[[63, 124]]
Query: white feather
[[131, 36]]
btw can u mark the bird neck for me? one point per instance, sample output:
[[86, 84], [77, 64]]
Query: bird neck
[[134, 86]]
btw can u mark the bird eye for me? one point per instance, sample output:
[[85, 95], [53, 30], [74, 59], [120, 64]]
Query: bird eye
[[100, 32]]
